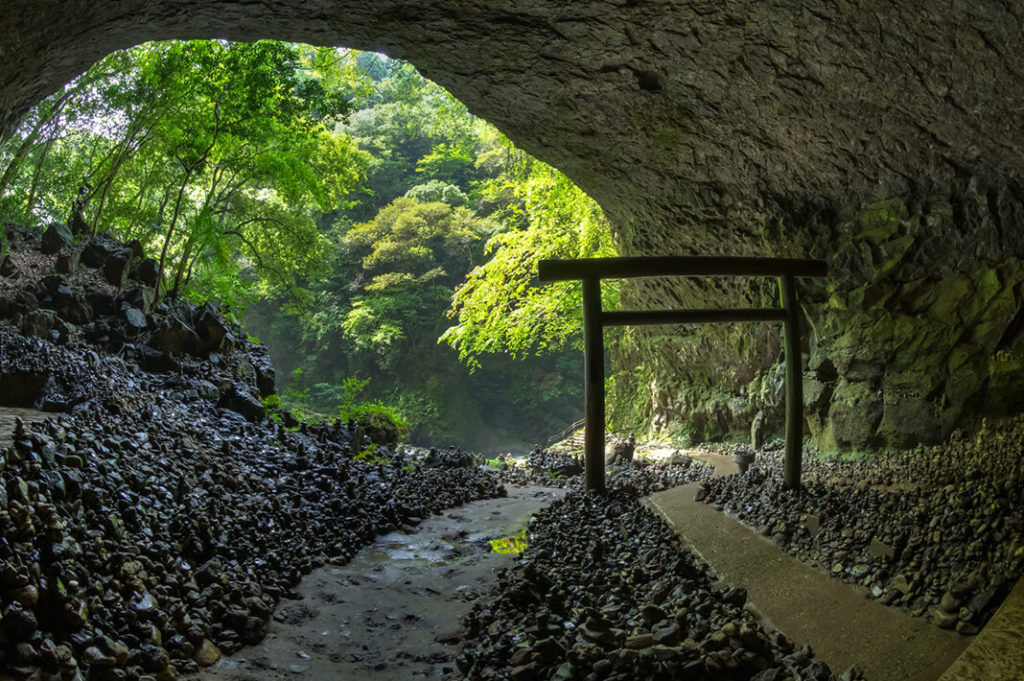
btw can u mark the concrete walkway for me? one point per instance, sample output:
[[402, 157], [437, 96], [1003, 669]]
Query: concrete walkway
[[843, 627]]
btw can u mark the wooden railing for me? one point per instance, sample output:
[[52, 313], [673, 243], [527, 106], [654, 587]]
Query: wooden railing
[[567, 432], [592, 271]]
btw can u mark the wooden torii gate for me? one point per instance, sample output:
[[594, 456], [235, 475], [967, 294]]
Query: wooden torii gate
[[592, 271]]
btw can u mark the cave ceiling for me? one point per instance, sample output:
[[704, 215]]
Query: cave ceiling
[[681, 118]]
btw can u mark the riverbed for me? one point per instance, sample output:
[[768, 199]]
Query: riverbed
[[394, 611]]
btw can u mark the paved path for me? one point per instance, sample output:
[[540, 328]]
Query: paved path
[[842, 626]]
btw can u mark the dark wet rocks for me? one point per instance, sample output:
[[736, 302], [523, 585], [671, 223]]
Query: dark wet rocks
[[153, 539], [238, 398], [552, 468], [452, 457], [147, 532], [8, 268], [934, 530], [620, 452], [56, 238], [607, 591]]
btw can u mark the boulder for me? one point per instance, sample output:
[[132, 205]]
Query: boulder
[[854, 416], [173, 335], [8, 268], [56, 238], [68, 261], [380, 431], [24, 301], [146, 272], [141, 297], [97, 251], [620, 452], [71, 307], [117, 266], [265, 376], [136, 248], [212, 329], [135, 317], [155, 361], [46, 324], [238, 399], [103, 304]]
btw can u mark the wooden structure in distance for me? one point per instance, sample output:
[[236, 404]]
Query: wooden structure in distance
[[591, 271]]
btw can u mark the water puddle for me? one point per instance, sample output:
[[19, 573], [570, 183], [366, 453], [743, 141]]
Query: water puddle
[[394, 611]]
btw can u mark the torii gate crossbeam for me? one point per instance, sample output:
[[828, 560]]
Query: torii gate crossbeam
[[592, 271]]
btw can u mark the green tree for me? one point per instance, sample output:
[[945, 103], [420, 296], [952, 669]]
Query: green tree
[[501, 307], [412, 255], [216, 155]]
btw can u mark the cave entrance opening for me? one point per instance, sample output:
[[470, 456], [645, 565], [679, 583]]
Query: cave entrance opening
[[591, 271]]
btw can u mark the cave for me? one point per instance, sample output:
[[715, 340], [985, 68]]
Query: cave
[[880, 138]]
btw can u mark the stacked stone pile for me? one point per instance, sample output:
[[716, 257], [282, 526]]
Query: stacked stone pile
[[550, 468], [607, 591], [937, 530], [155, 523]]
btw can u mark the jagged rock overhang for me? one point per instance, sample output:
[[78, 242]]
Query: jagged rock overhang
[[674, 115]]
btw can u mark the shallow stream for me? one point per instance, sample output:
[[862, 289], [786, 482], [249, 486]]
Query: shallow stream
[[394, 611]]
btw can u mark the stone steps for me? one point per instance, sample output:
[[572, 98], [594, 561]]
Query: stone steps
[[841, 624]]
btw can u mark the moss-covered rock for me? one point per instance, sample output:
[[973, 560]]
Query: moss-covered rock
[[918, 330]]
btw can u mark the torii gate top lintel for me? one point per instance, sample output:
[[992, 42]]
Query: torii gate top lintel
[[592, 270]]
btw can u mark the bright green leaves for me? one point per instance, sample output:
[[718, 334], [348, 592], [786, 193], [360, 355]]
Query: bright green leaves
[[411, 256], [501, 308], [415, 237], [216, 155]]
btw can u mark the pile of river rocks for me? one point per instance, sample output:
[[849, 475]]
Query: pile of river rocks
[[606, 590], [154, 524], [641, 477], [936, 530]]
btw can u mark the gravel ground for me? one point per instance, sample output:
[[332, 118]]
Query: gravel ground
[[157, 522]]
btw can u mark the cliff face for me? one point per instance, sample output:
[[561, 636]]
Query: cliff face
[[918, 331], [881, 136]]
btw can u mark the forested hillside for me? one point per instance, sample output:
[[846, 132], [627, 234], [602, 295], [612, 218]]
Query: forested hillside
[[379, 238]]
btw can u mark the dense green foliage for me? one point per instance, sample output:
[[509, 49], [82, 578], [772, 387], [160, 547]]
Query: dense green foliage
[[500, 308], [217, 156], [363, 210]]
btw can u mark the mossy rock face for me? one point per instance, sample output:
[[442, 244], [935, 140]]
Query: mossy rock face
[[853, 416], [1005, 390], [881, 221], [907, 419], [917, 331]]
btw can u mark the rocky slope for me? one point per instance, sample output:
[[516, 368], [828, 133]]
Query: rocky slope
[[155, 522]]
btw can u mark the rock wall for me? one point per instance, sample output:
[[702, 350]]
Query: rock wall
[[921, 330], [918, 331], [744, 128]]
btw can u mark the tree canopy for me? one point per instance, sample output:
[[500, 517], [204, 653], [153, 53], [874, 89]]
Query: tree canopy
[[387, 238]]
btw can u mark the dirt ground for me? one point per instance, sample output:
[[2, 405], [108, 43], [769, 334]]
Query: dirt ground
[[394, 611]]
